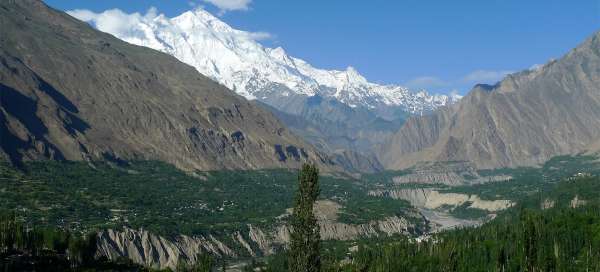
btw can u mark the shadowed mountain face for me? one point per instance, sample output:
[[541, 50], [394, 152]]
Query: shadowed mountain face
[[523, 120], [70, 92]]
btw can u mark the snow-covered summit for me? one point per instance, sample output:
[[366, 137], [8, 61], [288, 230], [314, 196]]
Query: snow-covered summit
[[235, 59]]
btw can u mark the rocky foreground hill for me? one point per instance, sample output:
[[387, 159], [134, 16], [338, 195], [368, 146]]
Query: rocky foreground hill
[[524, 120], [68, 91]]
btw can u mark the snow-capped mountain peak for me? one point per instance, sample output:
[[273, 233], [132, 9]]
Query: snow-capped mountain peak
[[235, 59]]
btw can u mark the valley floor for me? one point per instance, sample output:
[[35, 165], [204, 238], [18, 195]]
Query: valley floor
[[156, 215]]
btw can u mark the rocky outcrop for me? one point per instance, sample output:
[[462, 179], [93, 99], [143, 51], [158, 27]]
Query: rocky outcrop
[[576, 202], [70, 92], [433, 199], [547, 204], [524, 120], [157, 251], [341, 231], [327, 211]]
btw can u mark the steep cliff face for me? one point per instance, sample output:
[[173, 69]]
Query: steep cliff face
[[523, 120], [157, 251], [68, 91]]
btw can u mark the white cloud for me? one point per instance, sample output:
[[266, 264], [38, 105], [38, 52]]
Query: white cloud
[[229, 5], [115, 21], [133, 27], [485, 76]]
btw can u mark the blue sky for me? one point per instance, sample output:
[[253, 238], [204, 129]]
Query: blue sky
[[437, 45]]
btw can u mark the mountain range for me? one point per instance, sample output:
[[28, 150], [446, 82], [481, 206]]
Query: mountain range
[[70, 92], [340, 112], [176, 143]]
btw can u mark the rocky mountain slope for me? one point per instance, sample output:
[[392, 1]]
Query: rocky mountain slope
[[68, 91], [524, 120]]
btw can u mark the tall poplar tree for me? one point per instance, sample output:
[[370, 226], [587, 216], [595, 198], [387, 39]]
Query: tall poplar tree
[[305, 235]]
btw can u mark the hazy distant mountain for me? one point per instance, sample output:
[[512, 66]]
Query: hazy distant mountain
[[523, 120], [71, 92], [349, 134]]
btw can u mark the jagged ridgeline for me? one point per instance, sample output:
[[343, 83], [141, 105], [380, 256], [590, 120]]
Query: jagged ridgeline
[[69, 92]]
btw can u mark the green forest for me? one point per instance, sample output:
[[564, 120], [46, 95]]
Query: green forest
[[565, 237], [50, 211], [24, 247], [80, 197], [556, 240]]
